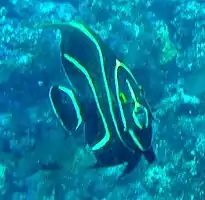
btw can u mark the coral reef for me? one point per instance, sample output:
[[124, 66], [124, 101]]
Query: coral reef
[[163, 43]]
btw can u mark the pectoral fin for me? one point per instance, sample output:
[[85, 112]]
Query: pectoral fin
[[66, 107]]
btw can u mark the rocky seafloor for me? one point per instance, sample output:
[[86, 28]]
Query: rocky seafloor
[[162, 41]]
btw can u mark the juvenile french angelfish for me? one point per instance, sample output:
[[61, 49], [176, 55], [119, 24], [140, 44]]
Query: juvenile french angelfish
[[105, 97]]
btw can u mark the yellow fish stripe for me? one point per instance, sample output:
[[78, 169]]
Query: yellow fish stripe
[[118, 96], [118, 65], [135, 139], [132, 92], [137, 105], [75, 104], [90, 36], [106, 138]]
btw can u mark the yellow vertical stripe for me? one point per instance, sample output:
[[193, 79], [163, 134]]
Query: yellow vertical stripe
[[75, 104], [90, 36], [86, 74], [118, 97]]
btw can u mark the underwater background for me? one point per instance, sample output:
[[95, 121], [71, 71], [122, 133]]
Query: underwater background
[[163, 42]]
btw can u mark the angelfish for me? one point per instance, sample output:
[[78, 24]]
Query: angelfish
[[104, 96]]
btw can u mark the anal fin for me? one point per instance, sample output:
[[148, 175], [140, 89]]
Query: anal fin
[[131, 165]]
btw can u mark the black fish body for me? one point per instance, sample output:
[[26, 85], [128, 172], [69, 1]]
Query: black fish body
[[105, 97]]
